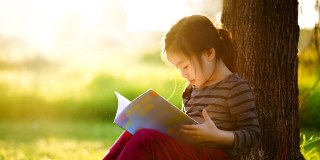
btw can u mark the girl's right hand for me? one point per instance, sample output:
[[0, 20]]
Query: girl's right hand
[[208, 132]]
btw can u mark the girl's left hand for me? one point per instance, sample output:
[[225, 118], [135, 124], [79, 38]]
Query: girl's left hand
[[207, 131]]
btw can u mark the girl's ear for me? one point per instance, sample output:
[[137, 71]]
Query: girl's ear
[[211, 54]]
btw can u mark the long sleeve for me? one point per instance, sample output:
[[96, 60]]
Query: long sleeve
[[242, 109]]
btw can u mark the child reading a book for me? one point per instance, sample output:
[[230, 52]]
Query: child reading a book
[[216, 97]]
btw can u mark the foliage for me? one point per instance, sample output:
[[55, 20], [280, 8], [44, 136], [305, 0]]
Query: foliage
[[309, 96], [313, 152], [309, 113], [309, 76]]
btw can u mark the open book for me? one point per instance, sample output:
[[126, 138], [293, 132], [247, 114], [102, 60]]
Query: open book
[[150, 110]]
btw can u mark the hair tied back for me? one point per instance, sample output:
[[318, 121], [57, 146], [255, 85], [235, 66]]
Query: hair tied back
[[224, 34]]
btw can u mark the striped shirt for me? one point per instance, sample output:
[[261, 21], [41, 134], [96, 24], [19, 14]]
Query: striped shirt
[[230, 104]]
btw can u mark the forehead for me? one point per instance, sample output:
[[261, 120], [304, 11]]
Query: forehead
[[177, 59]]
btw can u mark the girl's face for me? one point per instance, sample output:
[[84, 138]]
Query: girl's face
[[191, 69]]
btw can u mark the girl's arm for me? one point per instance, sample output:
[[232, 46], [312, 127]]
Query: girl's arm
[[242, 108], [208, 132]]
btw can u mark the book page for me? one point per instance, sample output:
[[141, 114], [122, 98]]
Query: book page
[[150, 110], [122, 103]]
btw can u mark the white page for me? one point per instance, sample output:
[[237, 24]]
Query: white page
[[122, 103]]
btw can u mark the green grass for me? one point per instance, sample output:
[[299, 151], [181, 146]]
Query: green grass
[[68, 118], [65, 114], [75, 96], [48, 140], [84, 140], [310, 143]]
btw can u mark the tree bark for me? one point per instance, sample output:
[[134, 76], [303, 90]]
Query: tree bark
[[265, 33]]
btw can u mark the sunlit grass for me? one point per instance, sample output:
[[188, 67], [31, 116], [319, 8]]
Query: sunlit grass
[[73, 91], [85, 95], [52, 148], [56, 140], [310, 144], [67, 113]]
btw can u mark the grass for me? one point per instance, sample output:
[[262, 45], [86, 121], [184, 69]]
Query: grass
[[74, 94], [64, 113], [48, 140], [310, 143], [84, 140], [35, 123]]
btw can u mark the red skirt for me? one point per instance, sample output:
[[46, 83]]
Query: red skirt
[[148, 144]]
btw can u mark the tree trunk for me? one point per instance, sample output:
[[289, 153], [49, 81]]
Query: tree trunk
[[265, 33]]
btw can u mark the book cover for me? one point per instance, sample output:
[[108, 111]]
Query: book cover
[[150, 110]]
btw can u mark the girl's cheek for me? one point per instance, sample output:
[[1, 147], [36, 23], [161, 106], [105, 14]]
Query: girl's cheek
[[192, 72]]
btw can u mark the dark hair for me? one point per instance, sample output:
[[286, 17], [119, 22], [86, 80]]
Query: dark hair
[[195, 34]]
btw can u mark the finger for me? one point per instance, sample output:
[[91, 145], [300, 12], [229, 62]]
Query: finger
[[190, 127], [191, 133], [205, 115]]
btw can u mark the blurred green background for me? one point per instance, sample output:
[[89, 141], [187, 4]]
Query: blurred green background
[[59, 72]]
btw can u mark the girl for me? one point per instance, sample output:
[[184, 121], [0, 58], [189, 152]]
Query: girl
[[217, 98]]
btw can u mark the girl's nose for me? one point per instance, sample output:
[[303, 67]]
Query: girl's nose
[[184, 75]]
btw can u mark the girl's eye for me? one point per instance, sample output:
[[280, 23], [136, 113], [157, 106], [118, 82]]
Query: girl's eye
[[185, 67]]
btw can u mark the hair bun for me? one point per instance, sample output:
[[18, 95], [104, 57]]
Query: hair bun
[[224, 34]]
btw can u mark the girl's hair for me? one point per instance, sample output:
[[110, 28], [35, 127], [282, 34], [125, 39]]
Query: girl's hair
[[195, 34]]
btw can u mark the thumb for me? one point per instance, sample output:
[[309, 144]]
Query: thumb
[[205, 115]]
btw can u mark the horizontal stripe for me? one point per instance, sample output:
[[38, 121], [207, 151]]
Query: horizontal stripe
[[253, 122], [195, 114], [242, 102], [248, 119], [244, 111], [211, 96], [224, 112], [209, 99], [248, 126], [221, 88], [240, 93], [242, 107], [239, 99], [245, 115], [220, 109], [225, 120], [204, 104], [239, 83], [230, 104], [211, 92]]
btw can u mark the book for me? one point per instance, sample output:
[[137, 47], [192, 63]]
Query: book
[[150, 110]]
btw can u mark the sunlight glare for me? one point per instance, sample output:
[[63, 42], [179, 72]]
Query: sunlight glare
[[44, 25], [153, 15], [308, 16]]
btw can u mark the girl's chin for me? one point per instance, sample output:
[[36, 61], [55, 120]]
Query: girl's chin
[[197, 85]]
